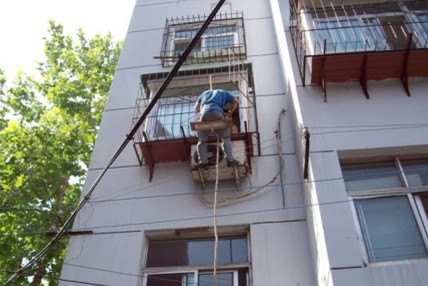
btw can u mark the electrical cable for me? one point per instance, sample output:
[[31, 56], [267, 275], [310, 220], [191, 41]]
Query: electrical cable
[[242, 196], [179, 172], [28, 233], [128, 138], [215, 211], [55, 278], [280, 153], [199, 218]]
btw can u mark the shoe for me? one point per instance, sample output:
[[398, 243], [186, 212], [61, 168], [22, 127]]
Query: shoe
[[232, 163]]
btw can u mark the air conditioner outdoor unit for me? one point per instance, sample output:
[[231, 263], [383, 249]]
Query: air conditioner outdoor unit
[[224, 172]]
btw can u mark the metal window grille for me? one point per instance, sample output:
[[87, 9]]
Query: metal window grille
[[224, 36]]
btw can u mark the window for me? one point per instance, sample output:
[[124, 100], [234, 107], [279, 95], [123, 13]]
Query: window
[[378, 175], [223, 38], [349, 35], [390, 229], [390, 200], [215, 38], [172, 116], [196, 256]]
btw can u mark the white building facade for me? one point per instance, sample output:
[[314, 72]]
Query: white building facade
[[331, 134]]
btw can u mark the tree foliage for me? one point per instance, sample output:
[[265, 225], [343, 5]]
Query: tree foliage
[[47, 129]]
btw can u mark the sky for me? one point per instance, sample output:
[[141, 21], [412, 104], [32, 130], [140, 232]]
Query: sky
[[24, 23]]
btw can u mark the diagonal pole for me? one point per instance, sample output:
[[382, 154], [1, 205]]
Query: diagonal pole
[[128, 138]]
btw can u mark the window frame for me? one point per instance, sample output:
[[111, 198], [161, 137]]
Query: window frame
[[196, 273], [413, 197], [203, 41], [196, 270]]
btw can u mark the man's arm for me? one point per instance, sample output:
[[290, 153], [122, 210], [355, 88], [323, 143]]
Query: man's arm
[[197, 107], [235, 103]]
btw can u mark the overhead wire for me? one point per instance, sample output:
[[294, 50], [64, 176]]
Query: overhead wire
[[146, 275], [180, 171], [286, 184], [38, 232], [122, 147], [48, 277], [192, 193], [87, 196]]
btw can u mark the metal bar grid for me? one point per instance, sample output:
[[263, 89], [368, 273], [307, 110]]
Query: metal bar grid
[[347, 29]]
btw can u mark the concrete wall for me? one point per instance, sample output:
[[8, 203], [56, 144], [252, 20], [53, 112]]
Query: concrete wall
[[389, 123], [125, 205]]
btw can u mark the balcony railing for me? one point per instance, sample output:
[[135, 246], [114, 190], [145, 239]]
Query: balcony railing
[[165, 135], [361, 36]]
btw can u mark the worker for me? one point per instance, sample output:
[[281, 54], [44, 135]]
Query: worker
[[211, 104]]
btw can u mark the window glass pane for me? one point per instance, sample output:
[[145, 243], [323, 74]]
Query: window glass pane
[[185, 34], [180, 46], [239, 250], [375, 38], [175, 279], [349, 35], [424, 199], [416, 172], [220, 42], [196, 252], [220, 30], [389, 228], [172, 114], [423, 21], [223, 279], [371, 176]]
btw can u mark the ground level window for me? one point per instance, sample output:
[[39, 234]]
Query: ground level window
[[196, 258], [224, 278]]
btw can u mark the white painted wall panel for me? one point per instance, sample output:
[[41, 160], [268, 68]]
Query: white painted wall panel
[[261, 40], [140, 49], [267, 74], [124, 90], [336, 211], [126, 200], [114, 127], [349, 121], [391, 274], [280, 254], [105, 259]]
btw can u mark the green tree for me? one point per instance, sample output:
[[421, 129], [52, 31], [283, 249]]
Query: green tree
[[47, 130]]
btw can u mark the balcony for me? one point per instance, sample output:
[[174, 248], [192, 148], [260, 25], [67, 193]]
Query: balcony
[[166, 136], [359, 42]]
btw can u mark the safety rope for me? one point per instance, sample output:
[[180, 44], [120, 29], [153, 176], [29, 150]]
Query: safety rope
[[232, 199], [215, 212]]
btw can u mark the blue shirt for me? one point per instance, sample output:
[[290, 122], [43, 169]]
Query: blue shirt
[[214, 99]]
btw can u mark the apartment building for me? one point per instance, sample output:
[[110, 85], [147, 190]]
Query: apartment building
[[331, 134]]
